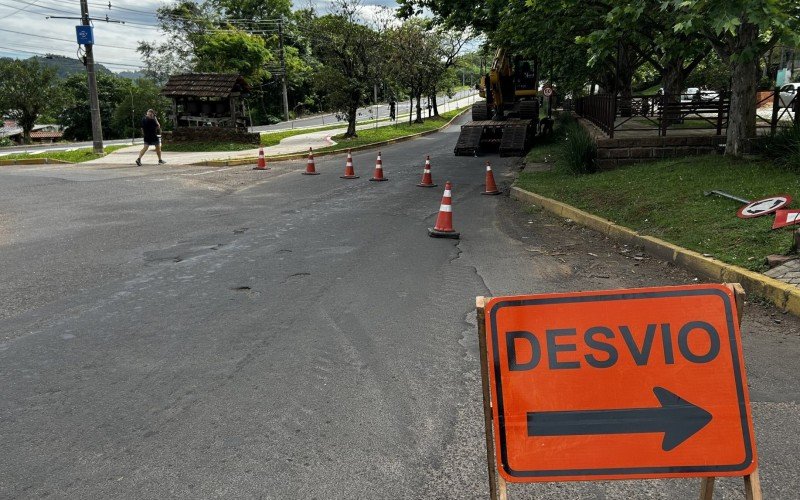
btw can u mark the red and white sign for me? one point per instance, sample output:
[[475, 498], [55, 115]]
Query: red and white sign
[[547, 91], [619, 384], [785, 218], [764, 206]]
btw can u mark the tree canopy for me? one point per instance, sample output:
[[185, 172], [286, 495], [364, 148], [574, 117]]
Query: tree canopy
[[612, 42], [27, 90]]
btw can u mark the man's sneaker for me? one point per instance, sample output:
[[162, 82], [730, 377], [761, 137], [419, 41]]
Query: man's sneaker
[[138, 162], [161, 162]]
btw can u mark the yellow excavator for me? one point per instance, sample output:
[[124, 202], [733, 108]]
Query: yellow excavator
[[508, 118]]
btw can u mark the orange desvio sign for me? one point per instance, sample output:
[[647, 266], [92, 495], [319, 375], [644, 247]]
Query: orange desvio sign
[[643, 383]]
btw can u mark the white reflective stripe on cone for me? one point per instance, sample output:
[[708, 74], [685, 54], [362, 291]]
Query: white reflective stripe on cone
[[448, 194], [445, 208]]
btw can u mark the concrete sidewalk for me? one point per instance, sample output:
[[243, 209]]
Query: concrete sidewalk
[[294, 144]]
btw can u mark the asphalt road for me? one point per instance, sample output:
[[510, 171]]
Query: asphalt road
[[366, 113], [187, 332]]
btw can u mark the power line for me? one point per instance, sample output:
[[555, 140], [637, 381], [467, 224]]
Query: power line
[[109, 6], [33, 4], [10, 50], [17, 10], [67, 40]]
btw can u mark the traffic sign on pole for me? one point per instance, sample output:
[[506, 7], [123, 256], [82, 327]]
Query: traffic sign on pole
[[85, 35], [763, 206], [785, 218], [622, 384]]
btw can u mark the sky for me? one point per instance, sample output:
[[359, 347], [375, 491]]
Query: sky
[[26, 31]]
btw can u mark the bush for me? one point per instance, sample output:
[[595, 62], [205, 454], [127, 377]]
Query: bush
[[783, 147], [578, 150], [5, 141]]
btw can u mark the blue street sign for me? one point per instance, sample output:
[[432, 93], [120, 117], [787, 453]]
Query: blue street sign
[[85, 35]]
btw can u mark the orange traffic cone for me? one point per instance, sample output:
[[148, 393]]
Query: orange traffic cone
[[311, 169], [349, 171], [491, 187], [262, 162], [427, 180], [444, 222], [378, 175]]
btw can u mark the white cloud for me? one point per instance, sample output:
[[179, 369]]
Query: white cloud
[[25, 26], [25, 30]]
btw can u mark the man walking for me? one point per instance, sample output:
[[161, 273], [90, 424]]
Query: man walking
[[150, 131]]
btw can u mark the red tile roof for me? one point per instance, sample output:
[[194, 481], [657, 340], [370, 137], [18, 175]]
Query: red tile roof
[[42, 134]]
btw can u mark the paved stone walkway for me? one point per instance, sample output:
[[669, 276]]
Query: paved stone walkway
[[788, 272]]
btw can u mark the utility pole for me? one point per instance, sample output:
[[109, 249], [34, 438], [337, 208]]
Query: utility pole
[[94, 101], [283, 71]]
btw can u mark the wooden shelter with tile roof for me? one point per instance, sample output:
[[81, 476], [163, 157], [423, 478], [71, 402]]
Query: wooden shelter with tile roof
[[208, 100]]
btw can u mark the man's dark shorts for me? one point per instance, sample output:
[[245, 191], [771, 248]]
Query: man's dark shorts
[[152, 142]]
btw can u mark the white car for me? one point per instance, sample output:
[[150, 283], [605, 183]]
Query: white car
[[705, 95], [788, 93]]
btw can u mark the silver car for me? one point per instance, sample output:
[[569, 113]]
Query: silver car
[[788, 93]]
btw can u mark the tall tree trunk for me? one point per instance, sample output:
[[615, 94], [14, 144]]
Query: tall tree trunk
[[742, 118], [435, 105], [411, 109], [744, 82], [672, 78], [352, 115], [419, 108], [627, 67]]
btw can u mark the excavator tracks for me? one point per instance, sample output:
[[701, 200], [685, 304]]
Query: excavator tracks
[[509, 137], [515, 139]]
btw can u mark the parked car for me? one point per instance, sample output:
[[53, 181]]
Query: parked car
[[788, 93], [696, 93]]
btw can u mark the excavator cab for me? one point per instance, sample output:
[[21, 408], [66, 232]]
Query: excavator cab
[[507, 120]]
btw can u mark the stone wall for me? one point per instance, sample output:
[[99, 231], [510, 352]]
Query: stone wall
[[212, 134], [617, 152], [613, 153]]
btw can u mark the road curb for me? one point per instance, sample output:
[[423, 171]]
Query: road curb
[[300, 156], [35, 161], [786, 297]]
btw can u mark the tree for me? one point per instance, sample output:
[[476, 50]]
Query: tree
[[26, 91], [76, 116], [641, 28], [183, 24], [227, 36], [740, 32], [136, 98], [233, 51], [448, 45], [409, 60], [254, 10], [351, 55]]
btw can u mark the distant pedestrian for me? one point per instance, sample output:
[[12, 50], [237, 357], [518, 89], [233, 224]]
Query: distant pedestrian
[[150, 131], [392, 110]]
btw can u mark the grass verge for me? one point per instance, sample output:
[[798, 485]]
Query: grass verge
[[76, 156], [665, 199], [388, 133]]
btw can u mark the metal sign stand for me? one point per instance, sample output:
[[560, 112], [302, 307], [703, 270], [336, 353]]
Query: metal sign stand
[[498, 489], [497, 485], [752, 483]]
